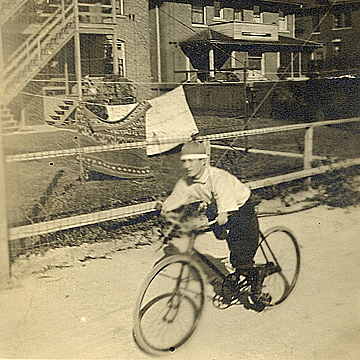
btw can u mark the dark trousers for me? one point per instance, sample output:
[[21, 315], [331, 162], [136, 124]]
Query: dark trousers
[[243, 234]]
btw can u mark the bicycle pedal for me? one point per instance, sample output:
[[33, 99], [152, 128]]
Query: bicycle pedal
[[265, 298], [251, 302], [219, 302]]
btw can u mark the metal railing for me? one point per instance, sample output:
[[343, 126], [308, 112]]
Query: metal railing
[[34, 52]]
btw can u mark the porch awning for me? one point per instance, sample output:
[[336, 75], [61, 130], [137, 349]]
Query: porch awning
[[209, 38]]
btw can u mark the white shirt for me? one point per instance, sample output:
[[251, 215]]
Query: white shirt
[[228, 192]]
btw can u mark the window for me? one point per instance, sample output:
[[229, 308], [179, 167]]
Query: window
[[121, 57], [283, 21], [315, 23], [347, 19], [119, 5], [109, 56], [255, 65], [337, 46], [238, 13], [197, 12], [254, 62], [342, 20], [337, 20], [218, 10], [257, 14]]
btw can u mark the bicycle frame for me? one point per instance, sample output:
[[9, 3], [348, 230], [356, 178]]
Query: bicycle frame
[[192, 251]]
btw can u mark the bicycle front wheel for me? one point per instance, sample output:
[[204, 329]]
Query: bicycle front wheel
[[280, 253], [170, 305]]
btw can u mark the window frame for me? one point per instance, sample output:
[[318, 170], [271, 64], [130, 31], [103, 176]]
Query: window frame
[[257, 15], [337, 44], [347, 17], [341, 20], [220, 15], [283, 19], [121, 50], [196, 8], [337, 20], [238, 13], [257, 72], [315, 19], [119, 9]]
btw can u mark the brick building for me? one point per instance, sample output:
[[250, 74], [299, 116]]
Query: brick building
[[336, 24], [199, 38], [47, 46]]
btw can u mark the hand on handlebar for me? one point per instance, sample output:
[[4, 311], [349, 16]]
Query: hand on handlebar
[[222, 218], [158, 205]]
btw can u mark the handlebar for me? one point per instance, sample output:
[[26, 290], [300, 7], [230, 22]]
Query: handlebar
[[197, 230], [204, 227], [174, 218]]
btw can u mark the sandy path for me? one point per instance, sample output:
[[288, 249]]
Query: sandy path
[[86, 311]]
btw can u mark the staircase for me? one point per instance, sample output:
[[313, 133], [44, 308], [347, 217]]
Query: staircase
[[58, 112], [7, 122], [25, 63]]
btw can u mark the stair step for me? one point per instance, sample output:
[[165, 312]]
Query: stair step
[[30, 67], [7, 117], [5, 112], [8, 123], [59, 112], [8, 130], [9, 126], [64, 107], [55, 117]]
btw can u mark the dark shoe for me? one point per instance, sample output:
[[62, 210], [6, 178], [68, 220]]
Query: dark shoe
[[256, 278], [252, 302], [244, 269]]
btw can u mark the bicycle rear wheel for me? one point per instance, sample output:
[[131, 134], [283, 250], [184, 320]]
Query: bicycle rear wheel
[[279, 255], [169, 306]]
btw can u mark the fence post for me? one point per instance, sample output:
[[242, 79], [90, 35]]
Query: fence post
[[4, 245], [22, 121], [77, 50], [308, 151]]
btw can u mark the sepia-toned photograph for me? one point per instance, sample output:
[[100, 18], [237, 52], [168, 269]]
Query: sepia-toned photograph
[[180, 179]]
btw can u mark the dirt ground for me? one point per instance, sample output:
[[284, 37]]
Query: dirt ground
[[80, 307]]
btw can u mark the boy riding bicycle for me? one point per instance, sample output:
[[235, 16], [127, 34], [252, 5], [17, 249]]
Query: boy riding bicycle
[[228, 201]]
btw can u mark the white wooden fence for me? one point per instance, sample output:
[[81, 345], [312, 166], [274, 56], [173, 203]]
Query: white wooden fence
[[143, 208]]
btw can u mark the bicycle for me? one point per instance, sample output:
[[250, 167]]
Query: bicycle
[[172, 296]]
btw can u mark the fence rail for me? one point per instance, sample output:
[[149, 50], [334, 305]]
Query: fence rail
[[143, 208], [142, 144]]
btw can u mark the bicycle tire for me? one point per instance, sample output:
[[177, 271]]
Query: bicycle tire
[[176, 279], [280, 247]]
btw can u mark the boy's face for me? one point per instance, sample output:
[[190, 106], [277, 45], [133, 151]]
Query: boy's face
[[193, 167]]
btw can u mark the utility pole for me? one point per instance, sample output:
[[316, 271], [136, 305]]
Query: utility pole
[[77, 49], [4, 244]]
